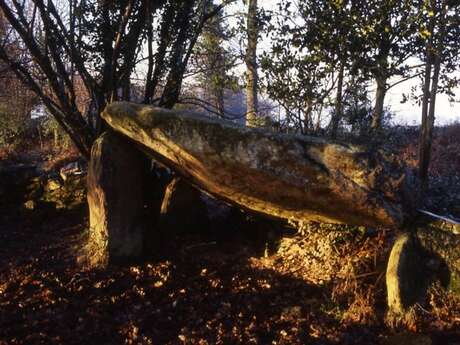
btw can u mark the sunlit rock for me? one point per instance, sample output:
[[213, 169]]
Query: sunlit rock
[[285, 176], [116, 201]]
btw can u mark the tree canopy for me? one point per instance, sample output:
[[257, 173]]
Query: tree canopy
[[100, 43]]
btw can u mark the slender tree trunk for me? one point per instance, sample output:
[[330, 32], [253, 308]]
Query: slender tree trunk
[[318, 120], [107, 34], [425, 133], [148, 93], [126, 90], [116, 51], [159, 60], [430, 122], [308, 118], [338, 103], [220, 101], [72, 34], [251, 65], [220, 86], [430, 88], [377, 114], [178, 60], [381, 75]]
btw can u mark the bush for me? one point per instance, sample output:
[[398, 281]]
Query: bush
[[14, 126], [359, 119], [51, 129]]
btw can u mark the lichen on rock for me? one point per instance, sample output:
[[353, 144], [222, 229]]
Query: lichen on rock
[[285, 176]]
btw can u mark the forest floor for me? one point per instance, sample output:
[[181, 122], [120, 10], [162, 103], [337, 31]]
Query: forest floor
[[199, 289], [325, 286]]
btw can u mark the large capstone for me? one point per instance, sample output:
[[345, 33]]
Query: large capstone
[[287, 176]]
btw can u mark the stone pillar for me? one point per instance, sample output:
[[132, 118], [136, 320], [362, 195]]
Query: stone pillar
[[116, 181], [428, 254], [402, 277]]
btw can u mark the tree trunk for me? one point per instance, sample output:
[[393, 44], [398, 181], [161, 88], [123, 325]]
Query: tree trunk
[[433, 60], [338, 104], [318, 120], [426, 130], [148, 91], [220, 101], [377, 114], [431, 110], [251, 65]]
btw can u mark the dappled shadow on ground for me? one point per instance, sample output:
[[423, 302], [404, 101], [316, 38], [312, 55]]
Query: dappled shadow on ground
[[199, 289]]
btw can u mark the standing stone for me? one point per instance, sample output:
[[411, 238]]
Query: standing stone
[[405, 279], [401, 265], [429, 254], [116, 179]]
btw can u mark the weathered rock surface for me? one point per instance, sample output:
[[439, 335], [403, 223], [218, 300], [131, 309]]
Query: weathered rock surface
[[404, 276], [116, 178], [286, 176], [418, 259], [37, 190], [65, 194], [442, 250]]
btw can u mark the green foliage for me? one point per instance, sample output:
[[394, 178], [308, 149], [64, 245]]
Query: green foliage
[[299, 68], [437, 35], [92, 49], [213, 59], [371, 40], [51, 129], [13, 125], [358, 110]]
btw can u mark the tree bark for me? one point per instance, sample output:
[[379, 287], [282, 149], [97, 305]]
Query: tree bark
[[377, 114], [433, 93], [220, 101], [251, 65], [338, 103], [433, 61], [426, 130]]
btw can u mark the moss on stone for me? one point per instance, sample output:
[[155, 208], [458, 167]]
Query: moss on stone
[[285, 176], [454, 284], [404, 278]]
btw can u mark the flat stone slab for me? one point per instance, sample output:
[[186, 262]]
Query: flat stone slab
[[286, 176]]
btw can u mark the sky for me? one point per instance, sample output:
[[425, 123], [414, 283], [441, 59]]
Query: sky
[[409, 113], [406, 113]]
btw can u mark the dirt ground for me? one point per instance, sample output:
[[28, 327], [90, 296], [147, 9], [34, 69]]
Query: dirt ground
[[198, 289]]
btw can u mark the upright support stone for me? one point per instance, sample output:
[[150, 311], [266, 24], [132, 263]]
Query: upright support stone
[[116, 180], [429, 254], [404, 279]]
